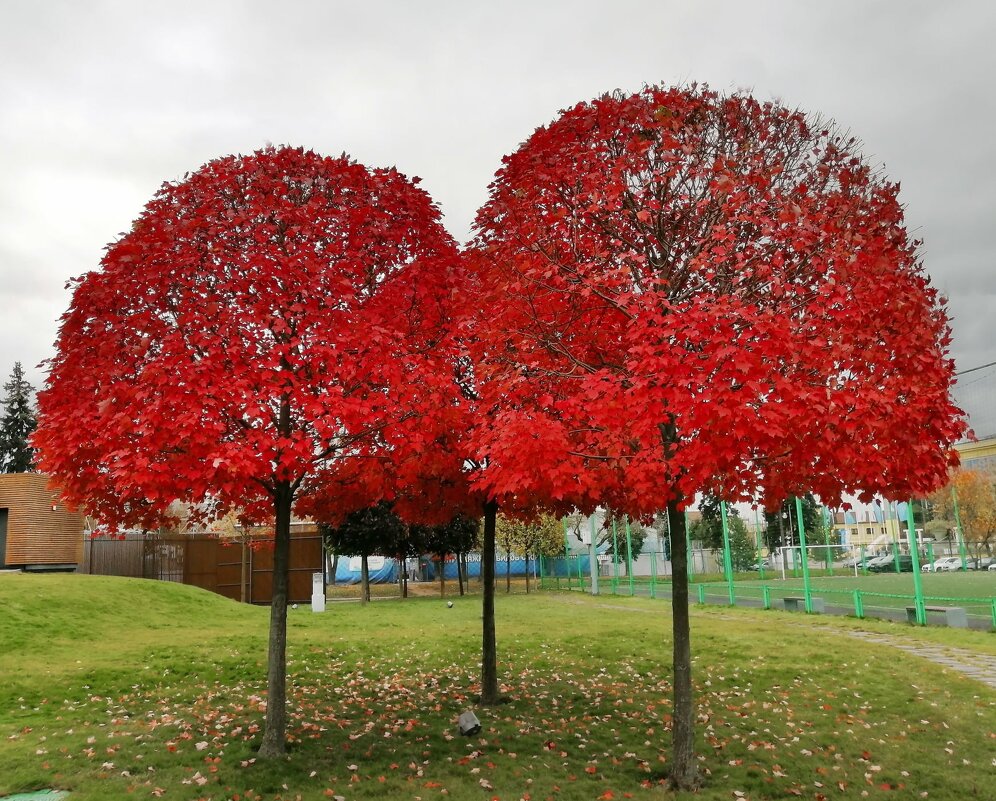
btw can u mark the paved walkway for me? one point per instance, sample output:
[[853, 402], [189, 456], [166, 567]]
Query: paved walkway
[[981, 667]]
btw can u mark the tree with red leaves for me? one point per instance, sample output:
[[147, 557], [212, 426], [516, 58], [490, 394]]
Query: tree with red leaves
[[691, 293], [267, 321]]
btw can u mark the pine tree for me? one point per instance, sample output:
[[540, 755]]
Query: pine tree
[[17, 422]]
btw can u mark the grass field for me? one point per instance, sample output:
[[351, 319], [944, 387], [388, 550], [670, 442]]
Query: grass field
[[122, 688]]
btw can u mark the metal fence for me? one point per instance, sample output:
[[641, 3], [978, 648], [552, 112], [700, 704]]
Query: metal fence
[[234, 570]]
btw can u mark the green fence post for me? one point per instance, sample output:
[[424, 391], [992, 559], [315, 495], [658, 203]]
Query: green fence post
[[629, 557], [701, 588], [807, 591], [758, 540], [921, 612], [615, 558], [895, 556], [859, 606], [994, 613], [961, 532], [826, 540], [567, 557], [653, 574], [690, 561], [727, 560], [766, 595], [593, 555]]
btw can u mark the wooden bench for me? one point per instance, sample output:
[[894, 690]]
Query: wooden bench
[[955, 616], [796, 603]]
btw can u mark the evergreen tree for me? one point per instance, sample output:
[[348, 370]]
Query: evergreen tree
[[17, 423]]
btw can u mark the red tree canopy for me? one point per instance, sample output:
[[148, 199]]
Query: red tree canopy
[[687, 292], [265, 320]]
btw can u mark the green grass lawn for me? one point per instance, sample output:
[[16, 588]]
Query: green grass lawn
[[122, 688]]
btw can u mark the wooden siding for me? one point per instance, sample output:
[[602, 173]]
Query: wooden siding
[[40, 529]]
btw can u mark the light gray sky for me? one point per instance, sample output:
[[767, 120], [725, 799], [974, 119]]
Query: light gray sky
[[100, 102]]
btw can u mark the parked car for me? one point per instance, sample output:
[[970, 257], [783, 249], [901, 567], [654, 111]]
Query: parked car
[[992, 567], [888, 564], [876, 560], [943, 564], [982, 563]]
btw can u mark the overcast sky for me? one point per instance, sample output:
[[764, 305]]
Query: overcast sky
[[100, 102]]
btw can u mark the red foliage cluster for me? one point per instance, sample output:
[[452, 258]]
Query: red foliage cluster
[[267, 320], [684, 292]]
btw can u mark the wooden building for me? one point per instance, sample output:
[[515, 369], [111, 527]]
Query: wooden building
[[37, 531]]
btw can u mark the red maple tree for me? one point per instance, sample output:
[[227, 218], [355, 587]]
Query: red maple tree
[[687, 293], [268, 321]]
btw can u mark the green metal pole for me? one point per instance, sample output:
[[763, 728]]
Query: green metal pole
[[629, 557], [727, 560], [615, 558], [593, 556], [961, 531], [826, 540], [567, 556], [807, 591], [688, 549], [921, 612], [758, 539]]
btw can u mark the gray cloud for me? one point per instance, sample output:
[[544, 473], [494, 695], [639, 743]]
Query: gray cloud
[[102, 102]]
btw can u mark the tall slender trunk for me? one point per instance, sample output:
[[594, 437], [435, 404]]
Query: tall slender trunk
[[243, 579], [442, 576], [364, 580], [527, 572], [274, 742], [489, 650], [460, 576], [508, 572], [684, 773], [335, 566]]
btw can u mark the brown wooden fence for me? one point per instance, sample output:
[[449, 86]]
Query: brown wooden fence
[[207, 562]]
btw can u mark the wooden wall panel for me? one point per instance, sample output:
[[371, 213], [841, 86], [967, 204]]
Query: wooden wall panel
[[40, 529]]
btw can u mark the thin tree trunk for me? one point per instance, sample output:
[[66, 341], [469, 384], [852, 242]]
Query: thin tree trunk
[[459, 564], [527, 572], [243, 579], [508, 572], [335, 566], [684, 773], [442, 576], [364, 580], [489, 650], [274, 742]]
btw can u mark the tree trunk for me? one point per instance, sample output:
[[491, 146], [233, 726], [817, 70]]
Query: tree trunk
[[274, 742], [335, 567], [508, 572], [527, 572], [243, 580], [460, 576], [442, 576], [489, 650], [364, 580], [684, 773]]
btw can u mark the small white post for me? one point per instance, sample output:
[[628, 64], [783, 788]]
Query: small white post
[[317, 592]]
